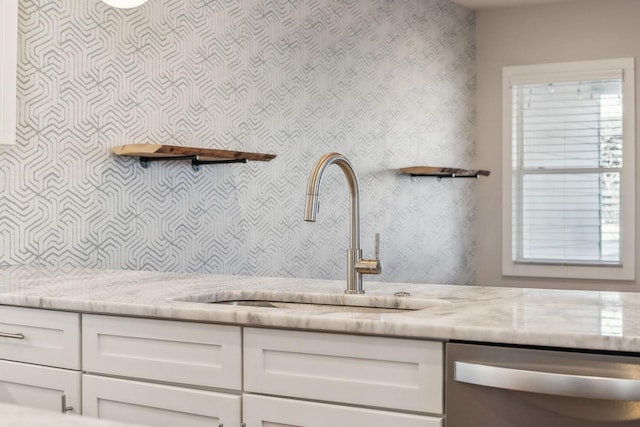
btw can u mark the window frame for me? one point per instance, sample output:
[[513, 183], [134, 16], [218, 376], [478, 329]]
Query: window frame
[[571, 72]]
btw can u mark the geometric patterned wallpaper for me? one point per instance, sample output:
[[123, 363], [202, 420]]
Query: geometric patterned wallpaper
[[388, 83]]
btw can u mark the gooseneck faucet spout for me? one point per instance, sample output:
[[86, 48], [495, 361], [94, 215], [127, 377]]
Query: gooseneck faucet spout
[[313, 189], [356, 266]]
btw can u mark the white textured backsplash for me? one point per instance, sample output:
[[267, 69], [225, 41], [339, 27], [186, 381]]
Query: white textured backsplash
[[387, 83]]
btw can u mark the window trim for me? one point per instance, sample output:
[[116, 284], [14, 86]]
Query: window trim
[[563, 72]]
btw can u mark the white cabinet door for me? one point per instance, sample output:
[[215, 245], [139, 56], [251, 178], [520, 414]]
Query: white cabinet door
[[161, 350], [157, 404], [383, 372], [43, 337], [8, 65], [40, 387], [262, 411]]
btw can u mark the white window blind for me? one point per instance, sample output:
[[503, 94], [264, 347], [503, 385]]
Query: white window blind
[[567, 161]]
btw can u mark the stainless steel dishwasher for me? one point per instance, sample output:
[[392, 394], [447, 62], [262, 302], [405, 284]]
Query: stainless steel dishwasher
[[496, 386]]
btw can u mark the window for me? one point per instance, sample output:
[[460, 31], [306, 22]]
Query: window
[[568, 162]]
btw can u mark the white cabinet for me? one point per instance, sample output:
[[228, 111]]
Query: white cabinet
[[40, 386], [29, 339], [172, 373], [42, 337], [158, 404], [199, 366], [263, 411], [8, 65], [386, 373], [197, 354], [359, 370]]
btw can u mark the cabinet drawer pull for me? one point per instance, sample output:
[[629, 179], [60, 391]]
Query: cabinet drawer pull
[[14, 336], [65, 408]]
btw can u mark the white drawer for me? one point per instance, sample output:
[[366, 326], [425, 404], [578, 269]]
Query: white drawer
[[261, 411], [42, 337], [374, 371], [157, 404], [40, 387], [178, 352]]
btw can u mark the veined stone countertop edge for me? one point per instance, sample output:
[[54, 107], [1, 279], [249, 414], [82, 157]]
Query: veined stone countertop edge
[[21, 416], [538, 317]]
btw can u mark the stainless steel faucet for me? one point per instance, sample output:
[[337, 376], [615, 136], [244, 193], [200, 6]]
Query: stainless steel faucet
[[356, 266]]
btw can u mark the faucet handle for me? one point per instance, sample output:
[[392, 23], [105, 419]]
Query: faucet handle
[[371, 266]]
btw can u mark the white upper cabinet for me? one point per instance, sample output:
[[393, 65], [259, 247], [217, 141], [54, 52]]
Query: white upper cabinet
[[8, 63]]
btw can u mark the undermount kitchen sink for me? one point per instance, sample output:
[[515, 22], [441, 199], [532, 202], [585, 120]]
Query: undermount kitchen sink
[[313, 302], [310, 306]]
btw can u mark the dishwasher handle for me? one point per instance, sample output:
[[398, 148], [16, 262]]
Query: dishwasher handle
[[589, 387]]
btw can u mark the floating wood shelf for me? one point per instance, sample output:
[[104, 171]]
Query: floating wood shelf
[[440, 172], [198, 156]]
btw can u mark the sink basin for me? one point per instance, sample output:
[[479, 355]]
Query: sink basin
[[313, 307], [312, 302]]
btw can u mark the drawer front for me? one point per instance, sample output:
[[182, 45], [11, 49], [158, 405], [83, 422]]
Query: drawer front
[[42, 337], [261, 411], [374, 371], [178, 352], [157, 404], [40, 387]]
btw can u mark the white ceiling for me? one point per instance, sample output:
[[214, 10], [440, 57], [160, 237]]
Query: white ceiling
[[489, 4]]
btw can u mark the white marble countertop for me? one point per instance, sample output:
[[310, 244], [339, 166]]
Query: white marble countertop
[[572, 319], [22, 416]]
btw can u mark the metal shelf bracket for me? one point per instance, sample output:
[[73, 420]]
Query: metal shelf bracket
[[195, 161]]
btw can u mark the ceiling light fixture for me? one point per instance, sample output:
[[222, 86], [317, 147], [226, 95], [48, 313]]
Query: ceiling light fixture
[[124, 4]]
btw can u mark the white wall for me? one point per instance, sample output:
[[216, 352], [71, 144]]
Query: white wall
[[586, 30]]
